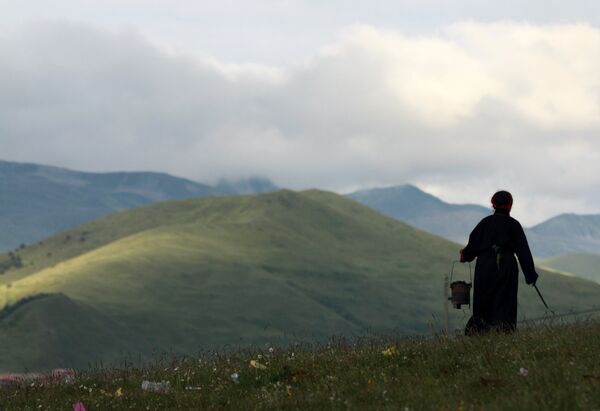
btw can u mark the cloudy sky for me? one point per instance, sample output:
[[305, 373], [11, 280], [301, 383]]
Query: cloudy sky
[[459, 97]]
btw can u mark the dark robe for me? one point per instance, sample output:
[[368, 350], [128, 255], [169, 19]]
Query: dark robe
[[495, 241]]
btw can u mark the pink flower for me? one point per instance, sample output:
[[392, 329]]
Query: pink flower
[[78, 406]]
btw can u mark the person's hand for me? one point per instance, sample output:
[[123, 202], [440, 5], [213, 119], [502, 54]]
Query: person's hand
[[532, 282]]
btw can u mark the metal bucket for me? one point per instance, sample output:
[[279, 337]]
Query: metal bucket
[[461, 290], [461, 293]]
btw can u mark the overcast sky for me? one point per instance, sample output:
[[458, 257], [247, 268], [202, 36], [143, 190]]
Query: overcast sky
[[458, 97]]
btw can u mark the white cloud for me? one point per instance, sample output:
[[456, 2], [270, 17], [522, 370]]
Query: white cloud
[[548, 73], [474, 108]]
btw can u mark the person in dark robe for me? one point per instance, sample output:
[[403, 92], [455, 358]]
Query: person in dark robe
[[495, 241]]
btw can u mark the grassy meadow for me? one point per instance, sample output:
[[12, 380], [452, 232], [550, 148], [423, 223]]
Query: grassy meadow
[[229, 272], [549, 367]]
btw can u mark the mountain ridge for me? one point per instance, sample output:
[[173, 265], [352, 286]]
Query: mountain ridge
[[562, 234], [37, 201], [416, 207]]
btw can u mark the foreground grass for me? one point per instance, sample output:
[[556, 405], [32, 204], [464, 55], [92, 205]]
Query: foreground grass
[[562, 362]]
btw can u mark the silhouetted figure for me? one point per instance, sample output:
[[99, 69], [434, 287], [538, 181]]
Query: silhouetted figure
[[495, 241]]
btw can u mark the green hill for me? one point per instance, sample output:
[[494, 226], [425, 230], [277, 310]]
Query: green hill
[[582, 265], [227, 271]]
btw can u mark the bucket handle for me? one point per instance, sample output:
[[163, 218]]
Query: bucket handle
[[470, 272]]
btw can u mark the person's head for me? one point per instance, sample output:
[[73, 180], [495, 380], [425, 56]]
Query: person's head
[[502, 201]]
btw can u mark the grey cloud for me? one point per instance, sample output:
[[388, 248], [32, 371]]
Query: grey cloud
[[76, 96]]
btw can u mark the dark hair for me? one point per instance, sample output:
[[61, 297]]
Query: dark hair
[[502, 199]]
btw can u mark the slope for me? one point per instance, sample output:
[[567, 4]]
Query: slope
[[226, 271], [49, 329], [580, 264]]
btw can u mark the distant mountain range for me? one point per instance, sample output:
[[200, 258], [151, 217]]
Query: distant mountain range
[[184, 276], [563, 234], [37, 201], [566, 234], [422, 210]]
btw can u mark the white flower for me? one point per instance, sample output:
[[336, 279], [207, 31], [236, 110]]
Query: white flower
[[524, 372], [235, 377]]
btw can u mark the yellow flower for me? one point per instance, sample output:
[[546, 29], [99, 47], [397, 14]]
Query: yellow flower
[[388, 352], [257, 365], [119, 392]]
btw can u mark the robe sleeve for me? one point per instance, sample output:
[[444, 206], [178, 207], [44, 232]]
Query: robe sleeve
[[469, 253], [524, 254]]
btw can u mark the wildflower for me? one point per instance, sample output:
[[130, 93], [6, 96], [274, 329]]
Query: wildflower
[[271, 350], [288, 389], [257, 365], [524, 372], [78, 406], [119, 392], [388, 352], [235, 377], [64, 374]]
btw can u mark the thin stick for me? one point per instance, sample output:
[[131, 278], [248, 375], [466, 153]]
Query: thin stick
[[446, 325], [542, 298]]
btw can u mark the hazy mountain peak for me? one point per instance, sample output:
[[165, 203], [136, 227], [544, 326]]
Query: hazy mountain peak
[[250, 185], [412, 205]]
